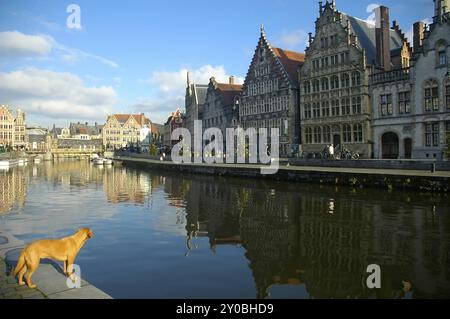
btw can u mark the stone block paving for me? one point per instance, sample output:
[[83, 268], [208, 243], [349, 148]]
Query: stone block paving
[[10, 289]]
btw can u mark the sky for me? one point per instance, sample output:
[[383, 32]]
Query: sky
[[132, 56]]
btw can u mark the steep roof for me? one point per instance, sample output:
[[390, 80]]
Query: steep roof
[[291, 61], [123, 118], [365, 33], [199, 92], [229, 92]]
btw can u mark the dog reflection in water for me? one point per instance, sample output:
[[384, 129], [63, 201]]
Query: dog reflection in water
[[64, 249]]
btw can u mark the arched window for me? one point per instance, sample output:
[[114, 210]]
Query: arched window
[[345, 80], [357, 133], [307, 110], [326, 134], [308, 135], [316, 110], [325, 84], [431, 95], [335, 107], [317, 135], [347, 131], [345, 104], [356, 105], [307, 87], [441, 51], [316, 86], [325, 109], [356, 78], [334, 82]]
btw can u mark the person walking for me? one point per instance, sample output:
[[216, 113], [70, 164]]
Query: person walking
[[331, 151]]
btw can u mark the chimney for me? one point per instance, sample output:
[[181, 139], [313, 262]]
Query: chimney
[[383, 38], [231, 81], [419, 35]]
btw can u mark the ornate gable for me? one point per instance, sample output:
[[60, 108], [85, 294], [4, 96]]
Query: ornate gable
[[268, 61]]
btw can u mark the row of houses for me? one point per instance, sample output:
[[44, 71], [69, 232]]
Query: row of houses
[[119, 131], [358, 85]]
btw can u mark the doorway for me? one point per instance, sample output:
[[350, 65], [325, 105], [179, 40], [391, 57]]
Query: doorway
[[389, 145], [408, 148]]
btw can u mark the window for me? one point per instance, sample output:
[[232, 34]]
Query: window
[[307, 87], [404, 105], [356, 79], [327, 134], [335, 108], [316, 110], [386, 104], [317, 135], [345, 81], [325, 84], [345, 103], [442, 58], [308, 111], [431, 96], [447, 96], [357, 133], [316, 86], [325, 109], [356, 105], [432, 134], [347, 130], [334, 82], [308, 135]]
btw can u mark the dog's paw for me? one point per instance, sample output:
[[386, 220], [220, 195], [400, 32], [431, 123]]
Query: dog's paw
[[21, 284], [32, 286]]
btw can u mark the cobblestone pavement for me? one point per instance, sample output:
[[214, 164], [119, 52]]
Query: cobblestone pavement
[[9, 288]]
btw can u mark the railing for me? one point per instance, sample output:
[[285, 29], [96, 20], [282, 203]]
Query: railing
[[390, 76]]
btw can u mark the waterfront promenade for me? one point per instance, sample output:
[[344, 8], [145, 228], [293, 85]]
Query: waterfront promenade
[[357, 177], [49, 278]]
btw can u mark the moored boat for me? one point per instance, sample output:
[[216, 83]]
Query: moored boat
[[98, 161]]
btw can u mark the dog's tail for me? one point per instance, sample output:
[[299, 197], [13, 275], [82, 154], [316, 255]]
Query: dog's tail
[[20, 263]]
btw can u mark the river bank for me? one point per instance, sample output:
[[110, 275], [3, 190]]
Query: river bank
[[398, 179]]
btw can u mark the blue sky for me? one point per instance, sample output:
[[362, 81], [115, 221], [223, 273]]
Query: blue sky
[[132, 56]]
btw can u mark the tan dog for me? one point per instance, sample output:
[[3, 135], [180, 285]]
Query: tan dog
[[64, 249]]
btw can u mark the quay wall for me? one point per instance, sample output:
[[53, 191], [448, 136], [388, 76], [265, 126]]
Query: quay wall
[[354, 177]]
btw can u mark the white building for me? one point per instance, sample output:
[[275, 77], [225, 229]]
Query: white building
[[411, 106]]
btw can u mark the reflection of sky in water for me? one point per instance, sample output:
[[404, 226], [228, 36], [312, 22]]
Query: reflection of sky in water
[[186, 236]]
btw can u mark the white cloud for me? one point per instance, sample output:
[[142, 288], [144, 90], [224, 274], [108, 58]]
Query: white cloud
[[292, 39], [371, 9], [15, 43], [410, 34], [55, 95], [171, 88], [71, 56]]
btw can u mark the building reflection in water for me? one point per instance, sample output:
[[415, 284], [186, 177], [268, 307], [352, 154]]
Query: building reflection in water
[[13, 189], [299, 240], [323, 238]]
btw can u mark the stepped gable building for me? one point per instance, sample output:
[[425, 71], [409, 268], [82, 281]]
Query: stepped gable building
[[122, 130], [334, 80], [411, 106], [12, 130], [270, 93], [221, 109], [194, 101]]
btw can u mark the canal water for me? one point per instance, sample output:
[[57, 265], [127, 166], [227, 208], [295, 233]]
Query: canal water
[[162, 235]]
